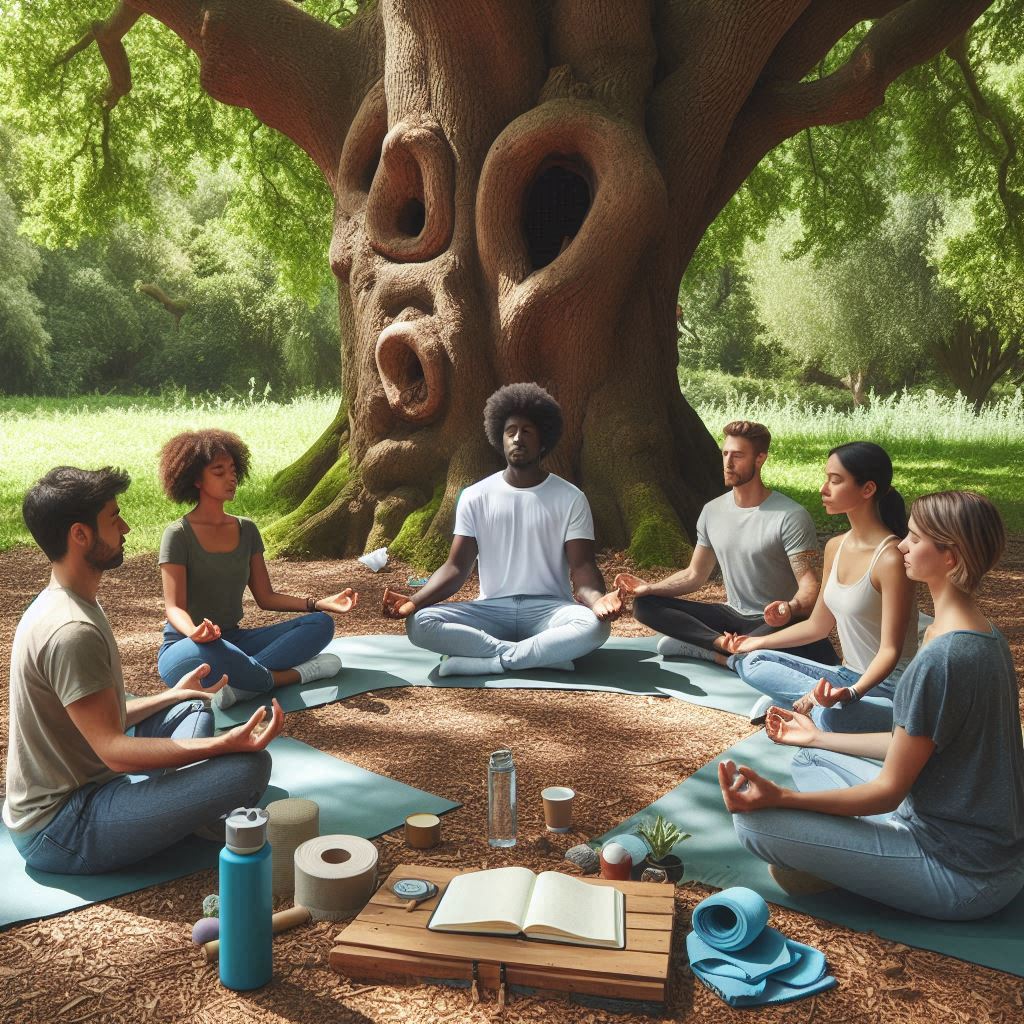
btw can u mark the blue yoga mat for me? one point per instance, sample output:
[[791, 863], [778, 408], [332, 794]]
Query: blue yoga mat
[[715, 857], [622, 665], [352, 801]]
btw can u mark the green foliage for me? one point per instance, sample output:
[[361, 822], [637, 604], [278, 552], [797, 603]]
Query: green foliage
[[661, 836], [86, 174], [864, 316], [24, 343]]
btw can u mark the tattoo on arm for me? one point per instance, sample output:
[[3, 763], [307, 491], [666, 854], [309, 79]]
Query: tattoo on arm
[[803, 561]]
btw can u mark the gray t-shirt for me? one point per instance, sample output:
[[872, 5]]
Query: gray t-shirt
[[63, 651], [967, 806], [214, 580], [754, 545]]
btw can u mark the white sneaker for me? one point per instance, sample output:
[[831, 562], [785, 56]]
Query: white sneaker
[[470, 667], [323, 666], [670, 647], [759, 712], [225, 698]]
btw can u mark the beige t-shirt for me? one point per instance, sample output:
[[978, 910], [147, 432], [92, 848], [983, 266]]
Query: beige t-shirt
[[63, 650]]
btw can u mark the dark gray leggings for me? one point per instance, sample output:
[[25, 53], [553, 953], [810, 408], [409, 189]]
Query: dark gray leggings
[[700, 622]]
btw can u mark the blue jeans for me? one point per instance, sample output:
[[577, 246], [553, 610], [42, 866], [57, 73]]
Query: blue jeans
[[246, 656], [524, 632], [787, 677], [875, 856], [104, 828]]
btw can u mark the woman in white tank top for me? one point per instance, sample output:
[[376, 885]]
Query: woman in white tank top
[[866, 597]]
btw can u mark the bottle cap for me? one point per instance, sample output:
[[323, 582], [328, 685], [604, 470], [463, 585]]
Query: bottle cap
[[245, 830], [501, 760]]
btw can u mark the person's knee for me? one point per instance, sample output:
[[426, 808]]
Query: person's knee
[[759, 832], [644, 608], [422, 624], [321, 625], [174, 666], [250, 774]]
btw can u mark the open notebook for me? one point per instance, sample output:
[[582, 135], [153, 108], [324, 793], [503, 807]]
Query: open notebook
[[551, 907]]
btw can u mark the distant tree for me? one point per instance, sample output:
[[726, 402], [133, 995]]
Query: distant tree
[[864, 316], [976, 356], [24, 342]]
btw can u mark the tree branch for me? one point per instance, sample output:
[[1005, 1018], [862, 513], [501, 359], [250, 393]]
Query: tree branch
[[176, 307], [907, 36], [983, 109], [295, 72], [108, 36]]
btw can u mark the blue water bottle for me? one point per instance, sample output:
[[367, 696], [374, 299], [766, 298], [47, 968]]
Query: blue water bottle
[[246, 935]]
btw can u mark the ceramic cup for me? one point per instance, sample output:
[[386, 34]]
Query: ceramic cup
[[558, 808]]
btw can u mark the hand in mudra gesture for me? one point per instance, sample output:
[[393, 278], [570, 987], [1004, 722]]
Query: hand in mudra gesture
[[790, 728], [343, 601], [828, 696], [608, 607], [395, 605], [205, 633], [193, 682], [744, 790], [778, 613], [630, 585]]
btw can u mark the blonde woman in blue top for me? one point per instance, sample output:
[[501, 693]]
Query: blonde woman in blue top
[[938, 828]]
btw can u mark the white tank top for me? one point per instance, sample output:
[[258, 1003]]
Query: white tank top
[[857, 608]]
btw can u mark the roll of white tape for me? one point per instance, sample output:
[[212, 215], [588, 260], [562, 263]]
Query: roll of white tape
[[335, 876]]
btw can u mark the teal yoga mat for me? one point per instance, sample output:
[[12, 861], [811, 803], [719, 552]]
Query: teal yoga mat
[[622, 665], [715, 857], [352, 801]]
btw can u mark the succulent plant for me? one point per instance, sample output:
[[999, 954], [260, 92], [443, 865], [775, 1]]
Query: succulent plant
[[660, 835]]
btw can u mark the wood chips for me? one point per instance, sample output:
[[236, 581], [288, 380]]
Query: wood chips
[[131, 960]]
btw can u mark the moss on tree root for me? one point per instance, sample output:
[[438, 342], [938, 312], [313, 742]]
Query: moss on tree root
[[656, 535], [423, 548]]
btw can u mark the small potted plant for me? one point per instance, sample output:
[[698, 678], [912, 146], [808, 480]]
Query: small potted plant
[[661, 836]]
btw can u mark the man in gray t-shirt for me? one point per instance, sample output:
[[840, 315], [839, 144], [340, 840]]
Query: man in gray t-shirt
[[83, 796], [768, 549]]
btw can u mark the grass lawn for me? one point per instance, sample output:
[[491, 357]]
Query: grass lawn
[[935, 444], [36, 435]]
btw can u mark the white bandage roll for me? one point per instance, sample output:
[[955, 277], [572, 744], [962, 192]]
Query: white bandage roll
[[335, 876]]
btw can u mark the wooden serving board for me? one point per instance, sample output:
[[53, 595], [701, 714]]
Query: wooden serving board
[[388, 941]]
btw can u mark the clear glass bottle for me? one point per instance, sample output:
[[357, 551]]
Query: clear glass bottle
[[501, 799]]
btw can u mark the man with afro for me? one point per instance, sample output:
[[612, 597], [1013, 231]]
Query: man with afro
[[532, 535]]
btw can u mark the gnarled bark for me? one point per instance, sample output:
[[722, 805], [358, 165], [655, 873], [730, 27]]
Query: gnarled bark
[[518, 186]]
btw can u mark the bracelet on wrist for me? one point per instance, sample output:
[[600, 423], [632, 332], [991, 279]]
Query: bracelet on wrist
[[311, 604], [855, 695]]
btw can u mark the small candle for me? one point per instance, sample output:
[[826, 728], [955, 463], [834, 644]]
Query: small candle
[[422, 831]]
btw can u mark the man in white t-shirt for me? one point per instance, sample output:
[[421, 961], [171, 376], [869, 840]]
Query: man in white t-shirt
[[768, 549], [530, 531]]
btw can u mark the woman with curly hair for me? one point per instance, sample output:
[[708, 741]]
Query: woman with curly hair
[[207, 559], [937, 828]]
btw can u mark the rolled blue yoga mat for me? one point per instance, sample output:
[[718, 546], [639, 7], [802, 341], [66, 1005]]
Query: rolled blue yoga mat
[[734, 953], [731, 919]]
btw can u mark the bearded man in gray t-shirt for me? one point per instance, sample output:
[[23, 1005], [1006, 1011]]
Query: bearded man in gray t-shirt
[[83, 796], [768, 549]]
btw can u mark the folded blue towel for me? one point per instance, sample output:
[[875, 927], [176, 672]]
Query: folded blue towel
[[735, 954]]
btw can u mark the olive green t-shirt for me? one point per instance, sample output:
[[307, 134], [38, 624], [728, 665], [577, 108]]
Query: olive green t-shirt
[[214, 580], [63, 650]]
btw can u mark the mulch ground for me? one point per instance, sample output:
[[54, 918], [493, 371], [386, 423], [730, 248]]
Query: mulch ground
[[130, 959]]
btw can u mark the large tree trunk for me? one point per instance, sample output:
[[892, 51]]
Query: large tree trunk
[[518, 186]]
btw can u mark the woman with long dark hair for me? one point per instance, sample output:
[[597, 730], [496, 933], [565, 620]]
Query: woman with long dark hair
[[938, 828], [866, 597]]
